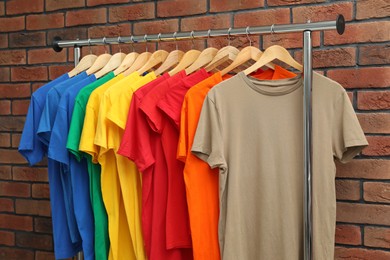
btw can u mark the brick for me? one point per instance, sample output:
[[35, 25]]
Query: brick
[[292, 2], [376, 192], [15, 138], [262, 18], [289, 40], [43, 225], [376, 77], [374, 54], [67, 34], [347, 190], [33, 174], [373, 100], [15, 189], [45, 56], [15, 253], [20, 107], [375, 123], [11, 24], [52, 5], [132, 13], [90, 16], [36, 86], [15, 222], [359, 33], [109, 31], [15, 90], [23, 7], [342, 253], [331, 58], [6, 205], [105, 2], [226, 5], [4, 74], [5, 140], [44, 255], [155, 27], [377, 237], [348, 235], [32, 207], [3, 41], [322, 12], [45, 21], [57, 70], [27, 39], [36, 241], [363, 213], [180, 7], [7, 238], [205, 22], [11, 156], [5, 107], [2, 8], [29, 74], [366, 9], [40, 191], [12, 57], [11, 124], [5, 172], [378, 146]]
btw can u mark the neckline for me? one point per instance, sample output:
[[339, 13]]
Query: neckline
[[273, 87]]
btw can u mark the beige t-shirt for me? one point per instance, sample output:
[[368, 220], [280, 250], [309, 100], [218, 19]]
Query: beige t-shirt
[[253, 131]]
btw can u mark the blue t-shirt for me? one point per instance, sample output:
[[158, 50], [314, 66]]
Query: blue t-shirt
[[77, 173], [44, 133], [34, 151]]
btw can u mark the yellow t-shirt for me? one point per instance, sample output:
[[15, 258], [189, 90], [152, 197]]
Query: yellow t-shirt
[[111, 123], [120, 239]]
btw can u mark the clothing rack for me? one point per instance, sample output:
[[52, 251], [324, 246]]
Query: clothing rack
[[306, 28]]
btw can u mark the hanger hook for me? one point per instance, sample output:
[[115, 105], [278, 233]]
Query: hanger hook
[[272, 29], [119, 42], [105, 43], [208, 37], [192, 39], [146, 42], [158, 40], [247, 35], [132, 42], [89, 44], [174, 37], [230, 29]]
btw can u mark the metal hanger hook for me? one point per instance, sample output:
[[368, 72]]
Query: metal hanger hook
[[247, 35], [119, 42], [208, 37], [89, 44], [105, 43], [159, 40], [192, 39], [146, 42], [132, 42], [272, 28], [174, 37], [230, 29]]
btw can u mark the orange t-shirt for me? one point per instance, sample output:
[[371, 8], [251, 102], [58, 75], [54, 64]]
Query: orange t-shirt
[[201, 181]]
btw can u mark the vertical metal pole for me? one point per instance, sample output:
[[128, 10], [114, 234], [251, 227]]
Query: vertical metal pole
[[307, 149], [77, 54]]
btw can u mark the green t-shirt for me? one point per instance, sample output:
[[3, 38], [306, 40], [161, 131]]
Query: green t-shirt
[[102, 243]]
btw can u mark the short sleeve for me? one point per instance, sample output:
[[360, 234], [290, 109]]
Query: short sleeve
[[182, 147], [57, 147], [75, 128], [348, 137], [208, 140], [30, 147]]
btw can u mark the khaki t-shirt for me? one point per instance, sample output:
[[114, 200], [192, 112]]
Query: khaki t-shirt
[[253, 132]]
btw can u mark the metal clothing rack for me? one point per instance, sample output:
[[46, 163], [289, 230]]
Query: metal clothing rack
[[306, 28]]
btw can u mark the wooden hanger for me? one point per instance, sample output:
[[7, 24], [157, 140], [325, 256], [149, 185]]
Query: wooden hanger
[[172, 60], [247, 56], [141, 60], [126, 63], [188, 58], [85, 63], [157, 58], [272, 53], [204, 58], [114, 62], [225, 55], [99, 63]]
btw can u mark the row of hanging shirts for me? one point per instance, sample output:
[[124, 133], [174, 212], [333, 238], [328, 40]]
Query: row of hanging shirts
[[118, 131]]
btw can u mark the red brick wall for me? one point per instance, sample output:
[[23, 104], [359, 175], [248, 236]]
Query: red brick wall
[[359, 60]]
